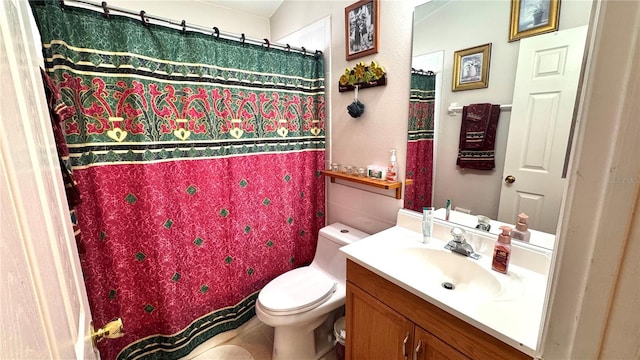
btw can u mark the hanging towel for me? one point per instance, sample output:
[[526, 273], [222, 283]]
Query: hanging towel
[[478, 136]]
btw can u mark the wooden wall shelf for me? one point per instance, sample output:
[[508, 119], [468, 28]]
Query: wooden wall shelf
[[380, 184]]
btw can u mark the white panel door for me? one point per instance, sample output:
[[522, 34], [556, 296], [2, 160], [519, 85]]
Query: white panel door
[[543, 105], [44, 309]]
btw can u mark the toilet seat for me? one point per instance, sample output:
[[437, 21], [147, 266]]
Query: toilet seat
[[296, 291]]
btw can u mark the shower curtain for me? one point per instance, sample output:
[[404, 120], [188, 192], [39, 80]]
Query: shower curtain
[[420, 141], [198, 162]]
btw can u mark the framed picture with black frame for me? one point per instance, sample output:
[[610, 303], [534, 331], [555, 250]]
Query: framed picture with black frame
[[471, 68], [533, 17], [361, 23]]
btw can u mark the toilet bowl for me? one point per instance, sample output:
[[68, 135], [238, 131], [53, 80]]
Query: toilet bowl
[[302, 304]]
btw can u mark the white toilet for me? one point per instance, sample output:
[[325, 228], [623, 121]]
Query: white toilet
[[302, 304]]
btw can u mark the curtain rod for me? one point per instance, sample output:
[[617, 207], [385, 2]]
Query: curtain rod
[[422, 72], [144, 18]]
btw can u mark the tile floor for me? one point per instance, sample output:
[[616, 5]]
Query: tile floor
[[254, 336]]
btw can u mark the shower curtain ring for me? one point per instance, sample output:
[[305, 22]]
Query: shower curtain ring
[[266, 41], [288, 48], [184, 26], [242, 38], [62, 4], [145, 22], [304, 51], [105, 8], [216, 31]]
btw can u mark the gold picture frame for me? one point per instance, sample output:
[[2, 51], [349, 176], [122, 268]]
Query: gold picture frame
[[471, 68], [533, 17], [362, 29]]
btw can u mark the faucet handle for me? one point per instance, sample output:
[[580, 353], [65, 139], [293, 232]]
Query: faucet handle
[[458, 234]]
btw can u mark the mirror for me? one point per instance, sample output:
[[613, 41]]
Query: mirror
[[442, 27]]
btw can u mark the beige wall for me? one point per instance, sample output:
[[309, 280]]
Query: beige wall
[[593, 311], [457, 25], [202, 14], [368, 139]]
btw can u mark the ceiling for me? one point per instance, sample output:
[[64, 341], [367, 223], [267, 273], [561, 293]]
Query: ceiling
[[264, 8]]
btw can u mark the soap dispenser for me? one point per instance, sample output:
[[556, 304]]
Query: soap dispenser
[[521, 232], [502, 251], [392, 169]]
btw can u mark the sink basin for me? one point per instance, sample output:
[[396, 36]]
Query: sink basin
[[446, 272]]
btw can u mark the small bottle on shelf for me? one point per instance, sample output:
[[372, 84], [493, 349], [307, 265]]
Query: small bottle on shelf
[[392, 169]]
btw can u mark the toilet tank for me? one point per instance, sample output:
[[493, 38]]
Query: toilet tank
[[328, 258]]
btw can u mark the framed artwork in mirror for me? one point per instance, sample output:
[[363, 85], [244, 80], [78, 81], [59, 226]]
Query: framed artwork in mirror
[[533, 17], [471, 68], [361, 23]]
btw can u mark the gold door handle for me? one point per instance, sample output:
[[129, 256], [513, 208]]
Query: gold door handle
[[510, 179], [112, 330]]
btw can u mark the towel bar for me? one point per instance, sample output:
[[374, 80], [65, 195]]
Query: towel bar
[[454, 108]]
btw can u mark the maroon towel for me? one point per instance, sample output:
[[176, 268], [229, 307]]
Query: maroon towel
[[478, 136]]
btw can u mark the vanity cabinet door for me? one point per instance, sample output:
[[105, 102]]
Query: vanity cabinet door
[[375, 331], [428, 347]]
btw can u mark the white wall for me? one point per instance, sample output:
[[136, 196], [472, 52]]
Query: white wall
[[457, 25], [368, 139], [595, 295], [202, 14]]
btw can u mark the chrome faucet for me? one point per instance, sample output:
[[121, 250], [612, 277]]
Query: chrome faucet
[[460, 245]]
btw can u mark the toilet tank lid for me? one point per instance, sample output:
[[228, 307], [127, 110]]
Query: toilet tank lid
[[342, 233]]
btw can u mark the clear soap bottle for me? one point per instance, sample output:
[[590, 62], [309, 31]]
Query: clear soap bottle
[[521, 232], [427, 224], [502, 251]]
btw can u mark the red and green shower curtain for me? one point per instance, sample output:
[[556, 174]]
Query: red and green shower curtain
[[198, 162], [420, 141]]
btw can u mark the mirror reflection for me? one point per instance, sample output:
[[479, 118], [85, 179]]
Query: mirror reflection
[[535, 143]]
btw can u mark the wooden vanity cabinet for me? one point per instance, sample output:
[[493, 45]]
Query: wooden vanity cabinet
[[387, 322], [381, 333]]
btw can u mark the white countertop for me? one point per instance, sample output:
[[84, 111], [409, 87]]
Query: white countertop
[[513, 316]]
